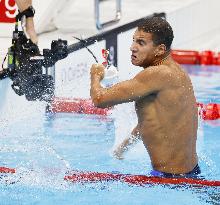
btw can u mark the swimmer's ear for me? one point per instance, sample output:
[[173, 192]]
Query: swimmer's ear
[[160, 50]]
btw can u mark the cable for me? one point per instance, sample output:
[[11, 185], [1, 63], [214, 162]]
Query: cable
[[84, 43], [4, 61]]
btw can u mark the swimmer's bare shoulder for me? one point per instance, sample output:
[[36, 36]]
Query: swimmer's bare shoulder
[[156, 78]]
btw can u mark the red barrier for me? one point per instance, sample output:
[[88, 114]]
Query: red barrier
[[186, 56], [77, 105], [207, 58], [7, 170], [210, 111], [195, 57], [217, 59], [88, 177]]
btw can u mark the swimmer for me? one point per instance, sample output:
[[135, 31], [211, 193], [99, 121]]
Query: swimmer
[[30, 29], [164, 99]]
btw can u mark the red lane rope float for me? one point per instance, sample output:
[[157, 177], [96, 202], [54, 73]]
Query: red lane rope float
[[77, 105], [210, 111], [195, 57], [7, 170], [209, 58], [87, 177], [92, 177], [186, 56]]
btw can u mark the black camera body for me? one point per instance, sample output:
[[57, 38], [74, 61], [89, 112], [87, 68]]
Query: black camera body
[[26, 65]]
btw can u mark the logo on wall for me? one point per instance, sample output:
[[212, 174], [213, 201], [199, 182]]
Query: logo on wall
[[8, 11], [74, 73]]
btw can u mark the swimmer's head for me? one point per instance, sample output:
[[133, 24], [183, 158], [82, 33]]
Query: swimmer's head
[[160, 29]]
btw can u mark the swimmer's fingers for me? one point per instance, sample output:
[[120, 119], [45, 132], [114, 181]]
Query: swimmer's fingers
[[98, 66], [117, 154]]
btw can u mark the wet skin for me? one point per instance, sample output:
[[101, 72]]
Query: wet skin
[[164, 101]]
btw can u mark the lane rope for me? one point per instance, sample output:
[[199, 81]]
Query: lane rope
[[210, 111], [7, 170], [77, 105], [88, 177]]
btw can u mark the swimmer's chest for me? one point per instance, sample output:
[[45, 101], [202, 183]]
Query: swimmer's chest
[[156, 103]]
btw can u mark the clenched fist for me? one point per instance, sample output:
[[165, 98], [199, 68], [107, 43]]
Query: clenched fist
[[97, 70]]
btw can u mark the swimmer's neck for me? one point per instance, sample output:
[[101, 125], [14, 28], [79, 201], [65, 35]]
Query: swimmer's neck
[[162, 60]]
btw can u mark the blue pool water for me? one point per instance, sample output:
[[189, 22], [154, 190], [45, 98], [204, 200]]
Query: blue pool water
[[43, 148]]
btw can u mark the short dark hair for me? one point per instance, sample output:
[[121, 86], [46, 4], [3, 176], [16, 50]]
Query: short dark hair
[[162, 32]]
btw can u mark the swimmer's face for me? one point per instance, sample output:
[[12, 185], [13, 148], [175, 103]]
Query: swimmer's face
[[143, 49]]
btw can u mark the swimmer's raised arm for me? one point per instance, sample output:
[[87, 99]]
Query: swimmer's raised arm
[[144, 83], [30, 29], [127, 143]]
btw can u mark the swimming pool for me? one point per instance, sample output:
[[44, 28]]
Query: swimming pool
[[45, 147]]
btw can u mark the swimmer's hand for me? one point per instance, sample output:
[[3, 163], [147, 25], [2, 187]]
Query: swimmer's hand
[[97, 70], [126, 143], [118, 153]]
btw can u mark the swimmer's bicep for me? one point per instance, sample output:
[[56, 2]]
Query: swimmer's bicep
[[126, 91], [138, 87], [119, 93], [129, 90]]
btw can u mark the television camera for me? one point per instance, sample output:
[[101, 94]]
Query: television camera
[[26, 65]]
